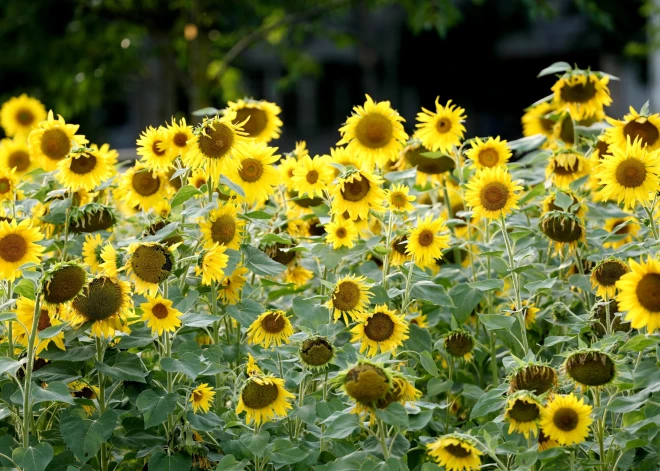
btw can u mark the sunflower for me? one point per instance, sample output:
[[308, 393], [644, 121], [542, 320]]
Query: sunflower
[[583, 93], [536, 121], [15, 156], [634, 126], [605, 275], [105, 302], [381, 329], [563, 228], [297, 274], [590, 368], [398, 251], [398, 199], [402, 391], [216, 141], [563, 133], [178, 138], [341, 233], [529, 310], [489, 153], [316, 352], [252, 369], [212, 263], [442, 130], [223, 227], [535, 377], [201, 398], [350, 297], [523, 410], [366, 383], [311, 177], [159, 315], [623, 228], [341, 156], [420, 320], [639, 294], [18, 247], [285, 168], [374, 133], [271, 327], [154, 151], [259, 117], [545, 442], [231, 286], [566, 166], [84, 170], [356, 192], [426, 241], [140, 186], [491, 193], [262, 398], [198, 178], [460, 344], [630, 175], [455, 453], [81, 390], [566, 420], [63, 282], [48, 317], [91, 252], [601, 149], [8, 182], [252, 169], [19, 115], [52, 140], [148, 265], [91, 217]]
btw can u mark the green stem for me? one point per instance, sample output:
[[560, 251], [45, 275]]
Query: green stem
[[101, 399], [27, 412], [388, 241], [10, 332], [600, 429], [406, 297], [649, 212], [450, 213], [288, 419], [383, 440], [608, 320], [516, 285]]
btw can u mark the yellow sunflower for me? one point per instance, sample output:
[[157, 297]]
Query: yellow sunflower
[[231, 286], [223, 226], [535, 377], [252, 369], [216, 141], [590, 368], [19, 115], [341, 233], [398, 252], [426, 241], [564, 131], [91, 252], [82, 390], [259, 117], [374, 133], [341, 156], [460, 344], [381, 329], [566, 166], [140, 186], [153, 148], [213, 261], [106, 302], [148, 265], [311, 177], [198, 178], [52, 140], [536, 119], [630, 175], [178, 138], [399, 200], [159, 315], [442, 130], [111, 261], [271, 327], [48, 317], [263, 398], [201, 398], [15, 156], [523, 411], [297, 274], [285, 168], [365, 383], [350, 297], [8, 190], [626, 228], [491, 193], [639, 294], [63, 282], [566, 420], [583, 93], [18, 247], [634, 126], [545, 442], [84, 170], [605, 275], [252, 169], [529, 313], [489, 153], [356, 193], [455, 453]]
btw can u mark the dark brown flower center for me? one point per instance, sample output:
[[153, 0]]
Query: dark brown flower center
[[631, 173], [273, 323], [5, 185], [251, 170], [280, 256], [609, 272], [160, 311], [565, 419], [578, 93], [180, 139], [258, 396], [603, 149], [84, 164], [155, 148], [366, 383], [522, 411], [19, 160], [401, 244], [218, 142], [13, 248], [443, 125], [494, 196], [379, 327], [567, 168], [99, 300], [85, 393], [55, 144], [425, 238], [459, 344], [457, 450], [547, 124], [145, 183], [316, 351], [312, 177], [644, 130], [223, 229], [151, 263], [398, 199], [355, 190], [590, 369], [374, 131], [24, 116], [346, 296], [537, 379], [427, 165], [489, 157], [44, 320], [648, 292], [65, 284], [341, 233], [198, 396], [257, 122]]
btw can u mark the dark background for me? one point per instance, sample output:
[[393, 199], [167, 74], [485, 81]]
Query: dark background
[[116, 66]]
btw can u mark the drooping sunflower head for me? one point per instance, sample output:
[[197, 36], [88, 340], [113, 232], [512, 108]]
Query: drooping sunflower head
[[374, 133], [639, 294], [91, 217], [263, 398], [634, 126], [523, 411], [442, 130], [17, 247], [402, 391], [350, 297], [583, 93], [536, 119], [297, 274], [566, 420], [19, 115], [357, 192], [153, 147], [492, 194], [231, 286], [201, 398], [15, 156], [590, 367], [252, 169], [103, 301], [535, 377], [605, 275], [84, 169], [427, 240], [159, 315], [63, 282], [48, 317], [52, 140], [223, 226], [460, 344], [271, 327], [529, 311], [428, 168], [600, 316], [562, 228], [565, 166], [563, 132], [398, 254], [381, 329], [488, 153], [316, 352], [455, 453], [259, 118], [91, 252], [149, 264], [366, 383]]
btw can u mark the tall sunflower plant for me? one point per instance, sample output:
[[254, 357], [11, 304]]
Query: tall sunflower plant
[[414, 298]]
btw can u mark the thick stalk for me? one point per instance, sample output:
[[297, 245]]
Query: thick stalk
[[27, 404], [516, 285], [383, 439], [288, 419], [388, 242], [492, 339], [101, 399], [608, 321], [10, 332], [649, 212], [450, 213], [600, 429]]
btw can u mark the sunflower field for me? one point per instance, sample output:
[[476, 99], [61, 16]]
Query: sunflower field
[[416, 299]]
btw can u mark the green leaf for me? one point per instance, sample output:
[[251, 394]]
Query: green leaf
[[184, 194], [556, 68], [233, 186], [197, 319], [83, 435], [160, 461], [204, 422], [123, 366], [63, 371], [9, 365], [526, 144], [419, 421], [229, 463], [329, 256], [33, 458], [432, 292], [491, 401], [639, 343], [7, 316], [487, 285], [70, 354], [55, 392], [255, 443], [258, 262], [189, 364], [309, 313], [284, 452], [535, 286], [52, 331], [497, 321], [394, 414], [465, 299], [208, 111], [401, 175], [155, 407], [340, 425], [429, 364], [25, 288]]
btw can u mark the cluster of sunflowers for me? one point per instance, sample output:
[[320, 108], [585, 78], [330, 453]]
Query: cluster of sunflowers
[[432, 304]]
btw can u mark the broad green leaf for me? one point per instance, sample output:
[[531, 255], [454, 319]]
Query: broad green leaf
[[432, 292], [419, 421], [64, 371], [204, 422], [9, 365], [229, 463], [7, 316], [184, 194], [255, 443], [83, 435], [535, 286], [70, 354], [465, 299], [284, 452], [233, 186], [123, 366], [394, 414], [329, 256], [52, 331], [340, 425], [155, 407], [491, 401], [497, 321], [309, 313], [556, 68], [55, 392], [487, 285], [401, 175], [25, 288], [198, 319], [160, 461], [189, 364], [258, 262], [33, 458], [246, 312], [639, 343], [429, 364]]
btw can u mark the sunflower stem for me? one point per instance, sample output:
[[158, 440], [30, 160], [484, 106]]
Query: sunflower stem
[[216, 333], [288, 419], [600, 429], [406, 296], [101, 399], [388, 241], [383, 439], [516, 285], [608, 321], [492, 340], [649, 212], [170, 383], [10, 333], [450, 213], [27, 420]]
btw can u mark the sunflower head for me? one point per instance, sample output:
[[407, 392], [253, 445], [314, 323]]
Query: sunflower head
[[316, 352], [63, 282], [584, 93], [442, 130], [634, 125], [459, 344], [18, 115], [492, 194], [523, 410], [149, 264], [455, 452], [537, 378], [91, 217], [590, 367], [263, 398], [536, 119], [350, 297], [566, 420], [600, 316], [271, 327], [605, 275], [201, 398], [402, 391], [413, 156], [259, 118], [565, 166], [564, 200], [382, 329], [366, 383], [562, 228], [488, 153], [103, 301]]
